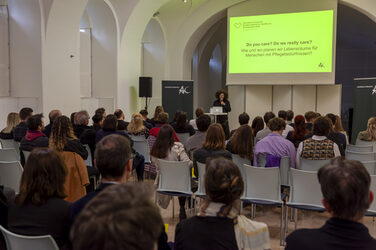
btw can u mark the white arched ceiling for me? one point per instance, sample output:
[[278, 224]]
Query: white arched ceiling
[[153, 60], [61, 66], [104, 49], [367, 7], [129, 68]]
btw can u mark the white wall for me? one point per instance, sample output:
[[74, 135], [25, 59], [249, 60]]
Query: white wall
[[4, 52], [85, 62], [153, 61]]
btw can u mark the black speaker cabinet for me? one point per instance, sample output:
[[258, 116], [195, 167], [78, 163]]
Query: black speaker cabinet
[[145, 86]]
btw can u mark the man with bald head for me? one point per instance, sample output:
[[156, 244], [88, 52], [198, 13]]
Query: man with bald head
[[52, 116]]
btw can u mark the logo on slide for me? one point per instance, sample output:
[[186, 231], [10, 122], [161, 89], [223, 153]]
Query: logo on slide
[[183, 91], [321, 65], [238, 25], [374, 91]]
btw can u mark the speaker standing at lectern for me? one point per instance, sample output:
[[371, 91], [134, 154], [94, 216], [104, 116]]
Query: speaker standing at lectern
[[222, 101]]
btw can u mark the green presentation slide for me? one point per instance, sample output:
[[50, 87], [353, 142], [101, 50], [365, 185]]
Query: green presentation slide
[[281, 43]]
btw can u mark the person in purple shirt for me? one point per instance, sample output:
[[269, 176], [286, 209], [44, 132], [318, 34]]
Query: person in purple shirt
[[274, 144]]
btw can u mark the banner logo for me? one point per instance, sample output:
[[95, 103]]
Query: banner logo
[[374, 91], [183, 91]]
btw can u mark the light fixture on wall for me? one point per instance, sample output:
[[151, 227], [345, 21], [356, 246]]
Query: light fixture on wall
[[82, 30], [185, 1]]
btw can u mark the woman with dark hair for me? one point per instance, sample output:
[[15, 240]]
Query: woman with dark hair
[[219, 224], [298, 135], [158, 110], [165, 147], [257, 125], [199, 112], [176, 115], [62, 137], [214, 146], [40, 208], [241, 143], [181, 125], [109, 127], [222, 101]]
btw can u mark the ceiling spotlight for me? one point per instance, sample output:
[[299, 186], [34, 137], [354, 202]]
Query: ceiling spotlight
[[185, 1]]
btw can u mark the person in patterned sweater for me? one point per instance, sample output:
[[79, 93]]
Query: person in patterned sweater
[[319, 147]]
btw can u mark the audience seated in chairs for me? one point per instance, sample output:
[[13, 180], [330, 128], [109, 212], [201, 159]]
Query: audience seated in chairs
[[20, 130], [283, 115], [40, 208], [289, 117], [310, 117], [274, 145], [219, 225], [197, 140], [300, 131], [370, 133], [147, 122], [213, 147], [34, 136], [120, 217], [81, 121], [257, 125], [264, 132], [136, 126], [13, 119], [181, 124], [199, 112], [166, 148], [337, 137], [113, 160], [345, 186], [154, 120], [110, 127], [241, 143], [101, 111], [52, 116], [319, 147], [122, 125], [74, 153], [243, 120], [88, 136], [339, 128], [162, 120]]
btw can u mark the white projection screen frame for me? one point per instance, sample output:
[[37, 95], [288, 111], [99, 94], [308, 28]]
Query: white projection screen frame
[[269, 7]]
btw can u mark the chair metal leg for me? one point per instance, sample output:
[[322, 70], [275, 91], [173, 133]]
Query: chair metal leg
[[281, 240], [254, 210], [286, 223], [293, 211], [241, 207], [192, 206], [173, 206], [296, 218]]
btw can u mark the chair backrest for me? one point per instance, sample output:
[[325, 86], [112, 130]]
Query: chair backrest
[[370, 166], [312, 165], [9, 154], [10, 143], [284, 169], [174, 176], [305, 188], [262, 183], [362, 142], [26, 154], [360, 156], [16, 241], [201, 178], [183, 137], [89, 159], [360, 148], [261, 160], [372, 187], [239, 161], [10, 174], [140, 144]]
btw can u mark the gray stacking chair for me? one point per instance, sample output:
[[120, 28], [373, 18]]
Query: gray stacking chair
[[312, 165], [10, 143], [305, 193], [183, 137], [174, 179], [201, 193], [89, 160], [18, 242], [140, 144], [10, 175], [370, 166], [239, 161], [361, 142], [284, 169], [360, 148], [26, 155], [264, 188], [360, 156], [9, 154]]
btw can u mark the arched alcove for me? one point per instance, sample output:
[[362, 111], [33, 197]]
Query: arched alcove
[[153, 60]]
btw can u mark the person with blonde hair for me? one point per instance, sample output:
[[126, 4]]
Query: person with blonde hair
[[136, 126], [13, 120], [370, 133]]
